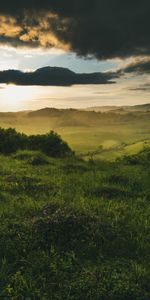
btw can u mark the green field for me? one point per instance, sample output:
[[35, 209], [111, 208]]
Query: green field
[[116, 139], [74, 230], [87, 131]]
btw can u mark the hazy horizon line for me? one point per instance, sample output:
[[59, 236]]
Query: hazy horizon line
[[80, 108]]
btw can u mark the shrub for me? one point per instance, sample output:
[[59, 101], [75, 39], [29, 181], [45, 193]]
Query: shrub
[[142, 157], [11, 141], [50, 143]]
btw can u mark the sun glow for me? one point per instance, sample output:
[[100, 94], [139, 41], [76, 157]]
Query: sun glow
[[19, 98], [14, 97]]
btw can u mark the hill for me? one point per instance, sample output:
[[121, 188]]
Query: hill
[[119, 130], [134, 108]]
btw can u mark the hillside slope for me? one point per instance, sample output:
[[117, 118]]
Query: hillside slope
[[74, 230]]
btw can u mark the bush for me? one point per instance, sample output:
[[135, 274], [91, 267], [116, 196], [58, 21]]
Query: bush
[[11, 141], [50, 143], [142, 157]]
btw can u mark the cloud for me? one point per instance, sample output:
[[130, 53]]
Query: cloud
[[55, 76], [100, 28], [9, 27], [141, 88], [139, 66]]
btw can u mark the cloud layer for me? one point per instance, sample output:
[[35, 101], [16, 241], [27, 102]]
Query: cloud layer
[[100, 28], [54, 76], [139, 67]]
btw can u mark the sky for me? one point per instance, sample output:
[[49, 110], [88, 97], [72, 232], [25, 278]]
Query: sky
[[74, 53]]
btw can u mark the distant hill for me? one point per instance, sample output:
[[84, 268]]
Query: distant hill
[[140, 107], [51, 118], [87, 118], [120, 109]]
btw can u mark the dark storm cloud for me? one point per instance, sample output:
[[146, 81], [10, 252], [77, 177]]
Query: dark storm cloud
[[54, 76], [100, 28], [139, 67]]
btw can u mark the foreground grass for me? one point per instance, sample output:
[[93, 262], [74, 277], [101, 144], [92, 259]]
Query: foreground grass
[[74, 230]]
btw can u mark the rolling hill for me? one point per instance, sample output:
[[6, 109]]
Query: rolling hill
[[116, 129]]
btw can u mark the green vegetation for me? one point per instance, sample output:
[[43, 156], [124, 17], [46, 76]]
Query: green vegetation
[[118, 131], [50, 143], [74, 230], [75, 227]]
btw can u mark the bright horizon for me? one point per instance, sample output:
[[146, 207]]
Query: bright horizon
[[53, 40], [19, 98]]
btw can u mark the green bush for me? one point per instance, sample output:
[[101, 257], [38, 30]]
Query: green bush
[[11, 141], [50, 143], [143, 157]]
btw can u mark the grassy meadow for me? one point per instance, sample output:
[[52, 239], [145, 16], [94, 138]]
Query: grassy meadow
[[72, 229], [75, 227]]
